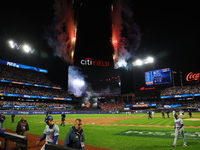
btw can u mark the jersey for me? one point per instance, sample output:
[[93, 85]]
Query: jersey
[[51, 132], [178, 123], [173, 112]]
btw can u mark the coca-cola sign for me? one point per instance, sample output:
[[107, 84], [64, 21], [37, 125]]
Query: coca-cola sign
[[193, 76]]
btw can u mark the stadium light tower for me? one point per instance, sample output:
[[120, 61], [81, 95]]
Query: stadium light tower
[[25, 47], [140, 62], [12, 45]]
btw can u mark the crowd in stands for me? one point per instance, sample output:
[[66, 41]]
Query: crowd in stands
[[111, 106], [178, 90], [184, 103], [30, 90], [33, 77], [37, 106], [119, 105], [23, 75]]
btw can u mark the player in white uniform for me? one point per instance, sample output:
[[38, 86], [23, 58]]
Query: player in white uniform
[[178, 128], [173, 113], [51, 132], [181, 113]]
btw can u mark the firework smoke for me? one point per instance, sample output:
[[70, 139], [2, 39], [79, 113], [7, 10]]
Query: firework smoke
[[62, 34], [125, 33], [76, 81]]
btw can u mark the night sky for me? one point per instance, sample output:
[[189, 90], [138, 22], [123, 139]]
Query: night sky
[[169, 32]]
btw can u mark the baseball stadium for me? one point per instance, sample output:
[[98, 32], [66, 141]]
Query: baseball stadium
[[85, 77], [109, 121]]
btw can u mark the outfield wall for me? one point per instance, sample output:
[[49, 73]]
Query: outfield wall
[[7, 112], [66, 112]]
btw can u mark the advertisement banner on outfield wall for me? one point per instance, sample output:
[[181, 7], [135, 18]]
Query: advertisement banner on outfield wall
[[66, 112], [73, 112]]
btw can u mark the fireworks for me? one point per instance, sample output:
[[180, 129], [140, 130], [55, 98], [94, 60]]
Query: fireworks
[[123, 44], [62, 34]]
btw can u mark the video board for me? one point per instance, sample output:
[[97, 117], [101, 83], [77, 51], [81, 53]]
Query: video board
[[161, 76]]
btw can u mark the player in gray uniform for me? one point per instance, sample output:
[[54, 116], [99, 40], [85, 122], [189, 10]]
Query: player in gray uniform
[[51, 132], [178, 128]]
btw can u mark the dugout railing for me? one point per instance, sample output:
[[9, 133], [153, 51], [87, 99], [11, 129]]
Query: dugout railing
[[50, 146], [21, 141]]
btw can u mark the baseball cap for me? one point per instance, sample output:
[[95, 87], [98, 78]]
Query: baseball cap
[[175, 115], [47, 118]]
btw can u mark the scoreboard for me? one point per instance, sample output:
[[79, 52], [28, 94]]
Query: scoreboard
[[161, 76]]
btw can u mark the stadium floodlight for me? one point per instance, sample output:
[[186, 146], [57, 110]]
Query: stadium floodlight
[[26, 48], [140, 62], [11, 44], [149, 60], [14, 45]]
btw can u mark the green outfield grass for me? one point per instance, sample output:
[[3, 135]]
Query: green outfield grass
[[121, 137]]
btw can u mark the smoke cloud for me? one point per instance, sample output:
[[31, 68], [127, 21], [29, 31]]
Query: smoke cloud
[[76, 81], [125, 33]]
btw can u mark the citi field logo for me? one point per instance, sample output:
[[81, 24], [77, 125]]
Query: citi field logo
[[90, 62]]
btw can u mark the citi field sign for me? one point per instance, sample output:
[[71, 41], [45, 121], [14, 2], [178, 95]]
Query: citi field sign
[[91, 62]]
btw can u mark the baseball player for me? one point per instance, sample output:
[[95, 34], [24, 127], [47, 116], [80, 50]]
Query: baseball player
[[178, 128], [149, 114], [190, 113], [163, 114], [63, 116], [51, 132], [167, 112], [173, 113], [153, 112], [181, 112]]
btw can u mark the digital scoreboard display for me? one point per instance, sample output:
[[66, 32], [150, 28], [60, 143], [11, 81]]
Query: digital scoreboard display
[[161, 76]]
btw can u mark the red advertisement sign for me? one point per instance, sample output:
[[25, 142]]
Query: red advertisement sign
[[192, 76], [87, 105]]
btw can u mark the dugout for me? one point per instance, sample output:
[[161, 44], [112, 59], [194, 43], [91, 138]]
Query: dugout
[[22, 141], [50, 146]]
